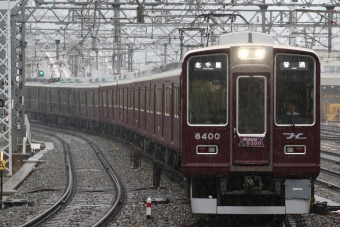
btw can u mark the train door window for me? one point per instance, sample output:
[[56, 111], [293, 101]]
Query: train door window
[[167, 101], [152, 100], [294, 89], [142, 99], [125, 98], [96, 99], [82, 98], [34, 94], [114, 98], [147, 104], [130, 98], [90, 98], [121, 99], [101, 98], [159, 100], [63, 97], [136, 98], [251, 104], [54, 96], [104, 98], [176, 102], [71, 98], [109, 98], [207, 90]]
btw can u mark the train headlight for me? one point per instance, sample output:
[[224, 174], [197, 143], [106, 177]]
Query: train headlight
[[206, 149], [251, 53], [295, 149]]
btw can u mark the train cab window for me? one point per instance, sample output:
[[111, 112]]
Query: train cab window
[[207, 90], [294, 93], [251, 104]]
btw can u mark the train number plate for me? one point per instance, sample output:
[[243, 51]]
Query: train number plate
[[248, 141]]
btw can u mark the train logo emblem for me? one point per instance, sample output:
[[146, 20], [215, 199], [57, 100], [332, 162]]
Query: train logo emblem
[[297, 136], [248, 141]]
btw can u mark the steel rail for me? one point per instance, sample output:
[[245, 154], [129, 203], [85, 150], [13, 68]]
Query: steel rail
[[69, 192], [112, 175]]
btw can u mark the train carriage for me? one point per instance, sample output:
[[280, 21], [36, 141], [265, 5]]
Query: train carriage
[[36, 99], [240, 120], [244, 152]]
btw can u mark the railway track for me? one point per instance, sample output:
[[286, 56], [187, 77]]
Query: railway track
[[109, 198]]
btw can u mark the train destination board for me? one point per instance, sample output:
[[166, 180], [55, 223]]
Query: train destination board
[[288, 65]]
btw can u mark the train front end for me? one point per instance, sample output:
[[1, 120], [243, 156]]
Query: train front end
[[250, 126]]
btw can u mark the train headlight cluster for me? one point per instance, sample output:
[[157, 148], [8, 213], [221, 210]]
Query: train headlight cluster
[[295, 149], [206, 149], [251, 53]]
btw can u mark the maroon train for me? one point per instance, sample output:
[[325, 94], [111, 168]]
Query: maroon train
[[240, 120]]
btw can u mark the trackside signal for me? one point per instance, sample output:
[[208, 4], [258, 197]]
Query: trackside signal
[[41, 73]]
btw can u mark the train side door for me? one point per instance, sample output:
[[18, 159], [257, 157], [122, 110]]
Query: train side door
[[250, 121]]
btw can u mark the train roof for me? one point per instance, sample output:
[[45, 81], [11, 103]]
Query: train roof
[[261, 39], [165, 74], [175, 72]]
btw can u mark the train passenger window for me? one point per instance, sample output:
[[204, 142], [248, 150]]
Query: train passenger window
[[207, 90], [251, 104], [294, 93]]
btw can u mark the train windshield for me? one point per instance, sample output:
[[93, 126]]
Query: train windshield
[[294, 93], [207, 90]]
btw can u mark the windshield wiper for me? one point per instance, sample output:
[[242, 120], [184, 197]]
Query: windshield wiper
[[292, 123]]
